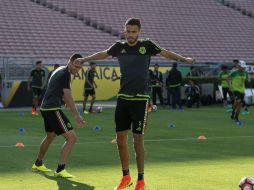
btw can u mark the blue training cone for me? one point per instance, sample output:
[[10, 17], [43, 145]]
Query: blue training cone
[[21, 130], [97, 128], [21, 114], [171, 125]]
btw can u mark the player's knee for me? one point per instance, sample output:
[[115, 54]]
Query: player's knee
[[138, 140], [73, 139], [121, 143]]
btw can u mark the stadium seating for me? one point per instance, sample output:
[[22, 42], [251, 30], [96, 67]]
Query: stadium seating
[[203, 29], [244, 6], [29, 29]]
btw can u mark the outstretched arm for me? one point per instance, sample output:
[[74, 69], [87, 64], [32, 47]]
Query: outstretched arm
[[96, 56], [172, 55]]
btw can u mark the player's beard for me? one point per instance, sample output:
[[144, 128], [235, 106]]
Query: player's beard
[[132, 41]]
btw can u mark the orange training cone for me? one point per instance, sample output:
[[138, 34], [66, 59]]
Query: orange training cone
[[20, 145], [202, 137]]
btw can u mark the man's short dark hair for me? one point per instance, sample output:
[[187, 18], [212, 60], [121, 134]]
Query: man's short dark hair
[[92, 63], [56, 65], [38, 62], [133, 21], [156, 65], [175, 64], [236, 61], [75, 56], [224, 67]]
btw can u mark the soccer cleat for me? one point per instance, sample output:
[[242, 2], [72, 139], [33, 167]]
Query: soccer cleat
[[86, 112], [239, 123], [63, 174], [245, 112], [140, 185], [125, 182], [35, 113], [149, 109], [229, 110], [41, 168]]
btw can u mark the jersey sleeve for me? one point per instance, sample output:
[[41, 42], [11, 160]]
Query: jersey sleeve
[[113, 50], [32, 73], [153, 48], [66, 81]]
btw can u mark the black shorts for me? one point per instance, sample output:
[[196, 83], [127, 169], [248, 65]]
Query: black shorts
[[88, 92], [56, 121], [226, 91], [131, 114], [239, 96], [36, 91]]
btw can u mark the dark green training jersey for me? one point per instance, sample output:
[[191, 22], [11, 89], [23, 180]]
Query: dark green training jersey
[[134, 64], [90, 74], [38, 77], [60, 79]]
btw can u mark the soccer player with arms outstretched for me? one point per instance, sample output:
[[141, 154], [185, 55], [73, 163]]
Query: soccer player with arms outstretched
[[131, 111]]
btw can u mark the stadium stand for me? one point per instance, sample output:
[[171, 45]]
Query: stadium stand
[[246, 7], [31, 30], [203, 29]]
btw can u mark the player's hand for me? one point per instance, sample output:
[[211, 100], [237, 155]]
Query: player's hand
[[79, 121], [189, 60]]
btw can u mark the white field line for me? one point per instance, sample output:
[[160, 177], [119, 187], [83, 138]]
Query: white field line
[[146, 140]]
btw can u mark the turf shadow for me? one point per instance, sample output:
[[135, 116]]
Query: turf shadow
[[67, 184]]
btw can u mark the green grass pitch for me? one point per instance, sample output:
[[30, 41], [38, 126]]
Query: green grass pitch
[[175, 159]]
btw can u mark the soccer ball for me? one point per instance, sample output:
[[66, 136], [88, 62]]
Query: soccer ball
[[155, 108], [98, 109], [246, 183]]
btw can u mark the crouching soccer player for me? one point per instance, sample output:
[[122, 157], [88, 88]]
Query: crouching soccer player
[[55, 121]]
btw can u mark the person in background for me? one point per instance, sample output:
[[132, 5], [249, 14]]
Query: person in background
[[157, 85], [89, 87], [237, 86], [1, 87], [193, 72], [174, 82], [223, 75], [245, 106], [50, 73], [36, 80], [192, 93]]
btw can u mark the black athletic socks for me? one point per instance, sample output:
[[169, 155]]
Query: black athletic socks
[[140, 176], [126, 172], [38, 162], [60, 168]]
